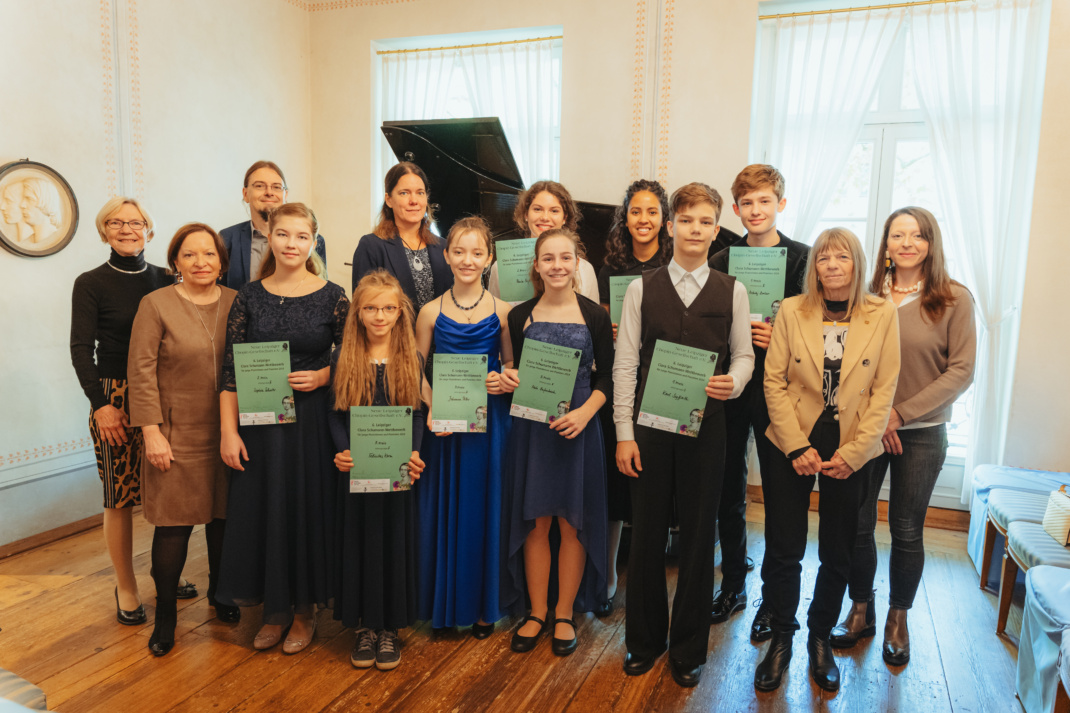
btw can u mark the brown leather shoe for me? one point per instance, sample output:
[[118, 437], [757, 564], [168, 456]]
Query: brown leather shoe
[[896, 650], [861, 623]]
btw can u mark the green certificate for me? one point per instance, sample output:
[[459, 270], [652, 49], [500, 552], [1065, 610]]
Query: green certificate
[[514, 268], [674, 398], [617, 287], [547, 377], [380, 442], [762, 271], [264, 393], [459, 394]]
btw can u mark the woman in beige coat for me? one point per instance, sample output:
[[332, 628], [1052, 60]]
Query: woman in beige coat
[[830, 375], [176, 356]]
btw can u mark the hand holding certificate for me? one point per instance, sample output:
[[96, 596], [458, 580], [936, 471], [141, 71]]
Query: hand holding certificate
[[674, 398], [547, 378], [762, 271], [381, 437], [459, 394], [514, 268], [264, 393]]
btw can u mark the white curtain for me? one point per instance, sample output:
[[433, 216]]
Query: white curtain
[[520, 84], [816, 79], [980, 83]]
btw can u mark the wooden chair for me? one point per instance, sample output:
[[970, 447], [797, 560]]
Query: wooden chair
[[1028, 545], [1005, 507]]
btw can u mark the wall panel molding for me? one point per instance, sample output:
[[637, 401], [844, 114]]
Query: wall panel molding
[[124, 166]]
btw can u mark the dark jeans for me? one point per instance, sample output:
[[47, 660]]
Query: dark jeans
[[914, 476], [787, 502], [740, 414]]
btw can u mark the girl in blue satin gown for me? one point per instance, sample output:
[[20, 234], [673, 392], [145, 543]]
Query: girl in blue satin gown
[[459, 498]]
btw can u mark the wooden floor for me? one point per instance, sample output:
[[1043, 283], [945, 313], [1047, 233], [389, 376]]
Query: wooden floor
[[59, 631]]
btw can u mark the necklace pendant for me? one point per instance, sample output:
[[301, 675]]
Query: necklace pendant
[[418, 264]]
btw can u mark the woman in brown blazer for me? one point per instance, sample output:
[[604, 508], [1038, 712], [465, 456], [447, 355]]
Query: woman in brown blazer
[[830, 375], [176, 356]]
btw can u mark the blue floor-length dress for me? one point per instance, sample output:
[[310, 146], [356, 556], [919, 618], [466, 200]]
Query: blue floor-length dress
[[459, 498]]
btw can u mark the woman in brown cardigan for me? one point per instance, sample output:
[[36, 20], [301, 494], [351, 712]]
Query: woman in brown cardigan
[[176, 355], [939, 347]]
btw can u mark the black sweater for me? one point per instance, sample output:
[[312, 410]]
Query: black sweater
[[597, 320], [103, 306]]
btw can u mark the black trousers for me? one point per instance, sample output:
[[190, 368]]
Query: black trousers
[[787, 501], [684, 474], [741, 414]]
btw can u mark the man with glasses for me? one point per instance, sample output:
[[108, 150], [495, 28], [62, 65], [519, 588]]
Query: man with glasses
[[247, 244]]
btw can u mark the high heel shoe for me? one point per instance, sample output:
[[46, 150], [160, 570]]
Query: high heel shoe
[[861, 623], [896, 649], [225, 613], [131, 617], [163, 632]]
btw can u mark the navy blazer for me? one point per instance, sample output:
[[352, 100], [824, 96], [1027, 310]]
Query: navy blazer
[[238, 240], [373, 253]]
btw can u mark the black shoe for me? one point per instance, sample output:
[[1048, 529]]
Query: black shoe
[[771, 668], [186, 591], [524, 644], [132, 617], [750, 564], [605, 608], [761, 629], [226, 613], [635, 665], [823, 668], [725, 604], [163, 632], [482, 631], [564, 647], [686, 677], [861, 623]]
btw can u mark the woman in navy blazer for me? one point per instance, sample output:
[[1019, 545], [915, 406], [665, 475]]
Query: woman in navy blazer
[[402, 243]]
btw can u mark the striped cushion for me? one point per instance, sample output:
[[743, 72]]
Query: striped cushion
[[1033, 546], [21, 691], [1007, 506]]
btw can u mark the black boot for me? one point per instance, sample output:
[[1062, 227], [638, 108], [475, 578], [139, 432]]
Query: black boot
[[896, 650], [823, 668], [861, 623], [777, 657]]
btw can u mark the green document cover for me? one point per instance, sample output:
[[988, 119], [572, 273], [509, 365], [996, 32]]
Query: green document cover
[[380, 443], [264, 393], [617, 287], [514, 268], [547, 378], [459, 393], [675, 395], [762, 271]]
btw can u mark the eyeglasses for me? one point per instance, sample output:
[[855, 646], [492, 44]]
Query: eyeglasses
[[261, 187], [389, 310], [135, 225]]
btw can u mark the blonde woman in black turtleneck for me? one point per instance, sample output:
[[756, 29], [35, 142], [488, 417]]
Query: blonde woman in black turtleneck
[[103, 306]]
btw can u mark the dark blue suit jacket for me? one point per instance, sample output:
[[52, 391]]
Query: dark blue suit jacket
[[238, 240], [373, 253]]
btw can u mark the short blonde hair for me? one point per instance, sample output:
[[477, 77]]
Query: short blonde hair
[[112, 207], [836, 239]]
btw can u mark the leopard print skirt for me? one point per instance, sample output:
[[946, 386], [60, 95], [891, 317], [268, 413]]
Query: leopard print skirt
[[119, 467]]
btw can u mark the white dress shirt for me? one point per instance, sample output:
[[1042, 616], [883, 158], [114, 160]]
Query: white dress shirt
[[588, 280], [626, 364]]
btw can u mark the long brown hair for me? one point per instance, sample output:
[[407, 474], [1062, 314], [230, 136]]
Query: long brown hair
[[314, 263], [555, 189], [936, 295], [386, 228], [536, 278], [619, 243], [354, 375], [836, 239]]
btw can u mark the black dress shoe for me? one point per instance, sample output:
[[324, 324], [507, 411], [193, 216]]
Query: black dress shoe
[[823, 668], [523, 644], [605, 608], [226, 613], [564, 647], [771, 668], [132, 617], [186, 591], [861, 623], [761, 629], [725, 604], [163, 632], [635, 665], [684, 676], [482, 631]]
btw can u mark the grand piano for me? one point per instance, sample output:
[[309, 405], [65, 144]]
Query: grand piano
[[472, 171]]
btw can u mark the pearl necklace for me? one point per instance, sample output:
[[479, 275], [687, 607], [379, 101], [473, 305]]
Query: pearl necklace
[[907, 290]]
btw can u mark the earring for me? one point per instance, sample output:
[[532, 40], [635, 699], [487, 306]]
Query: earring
[[888, 260]]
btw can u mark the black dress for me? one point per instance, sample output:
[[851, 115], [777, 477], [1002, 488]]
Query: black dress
[[280, 537], [375, 560]]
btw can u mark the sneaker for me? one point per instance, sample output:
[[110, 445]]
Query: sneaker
[[363, 655], [388, 649]]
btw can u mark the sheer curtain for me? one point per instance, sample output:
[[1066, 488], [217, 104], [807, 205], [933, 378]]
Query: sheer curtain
[[981, 94], [816, 79]]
